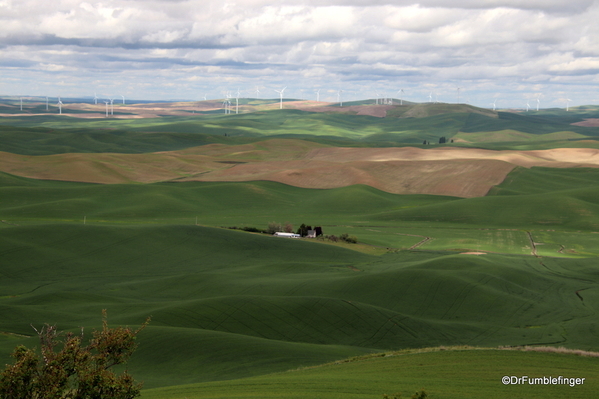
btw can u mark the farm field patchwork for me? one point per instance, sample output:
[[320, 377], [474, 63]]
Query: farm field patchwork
[[510, 264]]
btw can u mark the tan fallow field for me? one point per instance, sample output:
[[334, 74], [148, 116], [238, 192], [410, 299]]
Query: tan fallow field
[[460, 172]]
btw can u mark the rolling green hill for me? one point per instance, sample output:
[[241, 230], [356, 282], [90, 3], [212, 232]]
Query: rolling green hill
[[536, 198], [280, 297], [450, 374], [42, 135]]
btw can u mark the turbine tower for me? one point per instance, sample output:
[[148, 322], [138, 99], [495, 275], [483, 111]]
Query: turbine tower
[[317, 95], [339, 97], [112, 106], [527, 106], [257, 92], [96, 98], [281, 95], [59, 106], [123, 99], [568, 104], [237, 102], [538, 101], [106, 102], [493, 103], [401, 92], [227, 103]]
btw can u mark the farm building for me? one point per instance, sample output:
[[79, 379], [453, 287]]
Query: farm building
[[288, 235]]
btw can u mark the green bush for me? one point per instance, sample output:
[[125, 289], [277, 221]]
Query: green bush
[[349, 239], [76, 370]]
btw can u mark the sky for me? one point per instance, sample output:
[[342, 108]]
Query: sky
[[506, 52]]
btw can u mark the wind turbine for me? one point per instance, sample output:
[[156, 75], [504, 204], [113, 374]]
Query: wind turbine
[[111, 106], [527, 105], [538, 101], [106, 102], [568, 104], [430, 97], [339, 97], [281, 94], [400, 91], [228, 103], [257, 92], [317, 95], [377, 97], [237, 102], [96, 98], [59, 106], [123, 99], [493, 103]]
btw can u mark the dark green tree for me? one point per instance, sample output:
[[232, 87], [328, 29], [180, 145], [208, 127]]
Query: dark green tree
[[303, 230], [69, 369]]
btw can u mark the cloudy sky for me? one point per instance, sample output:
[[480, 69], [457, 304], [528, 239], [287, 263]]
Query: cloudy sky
[[505, 51]]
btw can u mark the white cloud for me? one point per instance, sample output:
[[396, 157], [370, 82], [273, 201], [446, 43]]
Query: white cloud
[[358, 41]]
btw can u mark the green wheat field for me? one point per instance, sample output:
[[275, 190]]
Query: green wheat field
[[432, 295]]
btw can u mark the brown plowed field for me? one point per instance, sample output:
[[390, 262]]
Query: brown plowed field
[[591, 122], [450, 171]]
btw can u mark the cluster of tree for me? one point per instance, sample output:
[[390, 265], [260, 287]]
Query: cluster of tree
[[274, 227], [303, 230], [442, 140], [69, 369], [246, 228], [343, 237]]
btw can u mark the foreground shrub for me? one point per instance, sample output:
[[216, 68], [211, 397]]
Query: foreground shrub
[[75, 370]]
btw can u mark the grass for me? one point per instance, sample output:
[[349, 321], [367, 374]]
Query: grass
[[278, 304], [500, 222], [455, 373], [409, 125]]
